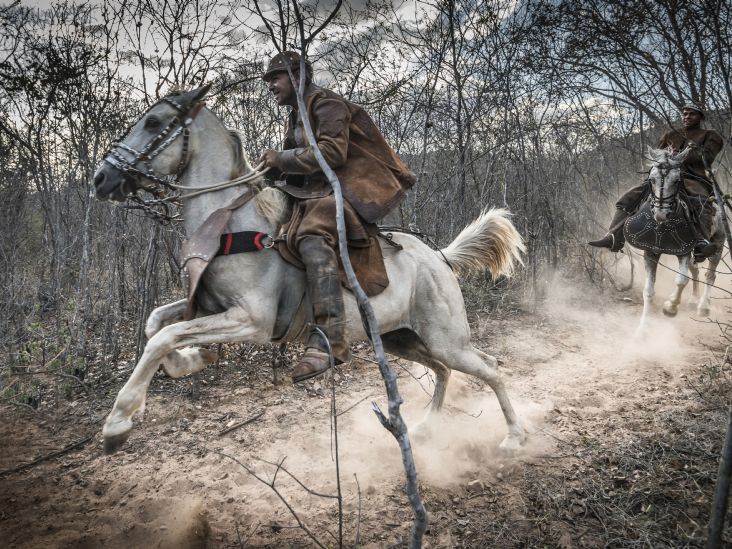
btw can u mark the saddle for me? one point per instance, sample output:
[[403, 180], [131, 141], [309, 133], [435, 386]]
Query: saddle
[[675, 236], [211, 241]]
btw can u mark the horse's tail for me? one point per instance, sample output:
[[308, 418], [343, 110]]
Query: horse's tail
[[490, 242]]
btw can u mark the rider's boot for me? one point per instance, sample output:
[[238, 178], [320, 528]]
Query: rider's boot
[[326, 298], [614, 239], [703, 249]]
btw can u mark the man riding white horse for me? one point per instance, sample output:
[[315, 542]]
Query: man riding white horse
[[373, 179], [706, 145]]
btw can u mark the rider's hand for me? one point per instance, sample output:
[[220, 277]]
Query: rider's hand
[[269, 157]]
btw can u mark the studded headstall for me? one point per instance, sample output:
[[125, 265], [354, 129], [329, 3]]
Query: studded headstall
[[658, 200], [179, 125]]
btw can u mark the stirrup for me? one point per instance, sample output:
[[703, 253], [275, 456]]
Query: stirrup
[[618, 243], [312, 363], [615, 244]]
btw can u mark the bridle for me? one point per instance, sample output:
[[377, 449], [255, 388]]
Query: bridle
[[659, 201], [177, 127]]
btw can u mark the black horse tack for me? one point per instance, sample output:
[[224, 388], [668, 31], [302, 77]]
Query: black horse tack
[[674, 236]]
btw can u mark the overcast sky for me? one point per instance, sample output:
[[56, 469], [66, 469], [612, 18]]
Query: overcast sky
[[37, 3]]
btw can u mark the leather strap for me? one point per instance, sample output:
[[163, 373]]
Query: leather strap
[[204, 245], [243, 242]]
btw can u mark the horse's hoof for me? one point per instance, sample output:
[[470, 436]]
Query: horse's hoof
[[511, 444], [420, 432], [116, 434], [114, 443], [669, 309], [703, 311]]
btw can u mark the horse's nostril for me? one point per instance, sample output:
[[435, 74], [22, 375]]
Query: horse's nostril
[[98, 179]]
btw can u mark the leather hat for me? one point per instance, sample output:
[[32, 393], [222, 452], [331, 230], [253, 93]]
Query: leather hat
[[278, 64], [693, 107]]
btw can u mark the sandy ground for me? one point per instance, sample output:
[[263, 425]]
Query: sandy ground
[[572, 368]]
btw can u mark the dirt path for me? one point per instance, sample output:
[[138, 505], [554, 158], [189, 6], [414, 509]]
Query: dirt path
[[583, 386]]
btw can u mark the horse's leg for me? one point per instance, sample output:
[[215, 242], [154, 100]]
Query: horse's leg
[[651, 263], [671, 307], [470, 361], [694, 272], [163, 315], [186, 361], [231, 326], [709, 278], [406, 344]]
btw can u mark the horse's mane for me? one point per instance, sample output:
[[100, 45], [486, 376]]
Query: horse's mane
[[274, 205], [241, 164], [271, 203]]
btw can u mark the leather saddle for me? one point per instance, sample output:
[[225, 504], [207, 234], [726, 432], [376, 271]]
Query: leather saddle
[[199, 250], [675, 236]]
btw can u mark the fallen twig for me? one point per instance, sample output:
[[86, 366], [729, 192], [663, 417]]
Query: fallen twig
[[52, 455], [279, 495], [358, 517], [279, 466], [241, 423], [352, 406]]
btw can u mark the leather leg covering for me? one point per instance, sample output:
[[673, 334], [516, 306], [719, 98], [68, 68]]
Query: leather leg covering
[[614, 239], [616, 229], [326, 296]]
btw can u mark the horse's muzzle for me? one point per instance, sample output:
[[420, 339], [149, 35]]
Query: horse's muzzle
[[660, 216], [112, 185]]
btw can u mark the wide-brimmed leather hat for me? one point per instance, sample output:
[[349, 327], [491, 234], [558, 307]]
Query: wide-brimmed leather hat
[[279, 64]]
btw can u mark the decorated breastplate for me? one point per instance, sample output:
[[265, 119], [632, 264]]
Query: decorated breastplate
[[674, 236]]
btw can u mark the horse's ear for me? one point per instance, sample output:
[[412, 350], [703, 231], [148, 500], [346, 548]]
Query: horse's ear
[[655, 155], [679, 158], [201, 92], [193, 96]]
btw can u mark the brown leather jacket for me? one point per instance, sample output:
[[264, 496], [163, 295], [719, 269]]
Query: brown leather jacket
[[373, 178], [710, 143]]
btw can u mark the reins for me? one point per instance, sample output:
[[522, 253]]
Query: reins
[[257, 172]]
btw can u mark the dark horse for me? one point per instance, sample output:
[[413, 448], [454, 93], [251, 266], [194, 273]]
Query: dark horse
[[662, 227]]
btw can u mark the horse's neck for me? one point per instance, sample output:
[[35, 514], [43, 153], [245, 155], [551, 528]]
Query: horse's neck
[[213, 160]]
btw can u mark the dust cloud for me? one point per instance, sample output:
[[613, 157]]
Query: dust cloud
[[579, 352]]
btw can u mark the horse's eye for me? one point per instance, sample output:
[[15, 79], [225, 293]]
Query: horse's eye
[[152, 123]]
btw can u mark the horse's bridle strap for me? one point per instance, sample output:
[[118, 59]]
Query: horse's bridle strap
[[178, 126], [658, 200]]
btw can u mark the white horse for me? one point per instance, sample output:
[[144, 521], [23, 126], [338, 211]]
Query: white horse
[[421, 313], [665, 207]]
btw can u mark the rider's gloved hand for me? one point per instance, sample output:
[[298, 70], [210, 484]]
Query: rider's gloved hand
[[270, 159]]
